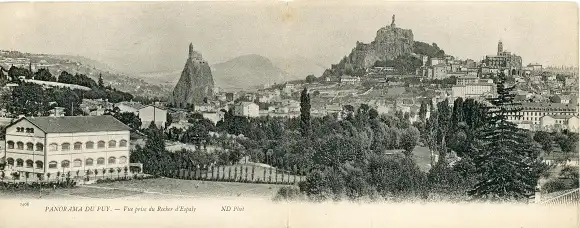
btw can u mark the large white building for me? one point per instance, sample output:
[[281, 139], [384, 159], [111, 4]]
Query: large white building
[[42, 145], [536, 115], [349, 79], [152, 113], [247, 109], [471, 87], [147, 113], [559, 122]]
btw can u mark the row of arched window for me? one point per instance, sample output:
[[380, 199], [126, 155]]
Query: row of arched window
[[65, 163], [65, 146]]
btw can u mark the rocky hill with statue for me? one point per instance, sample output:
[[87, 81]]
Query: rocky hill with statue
[[390, 44]]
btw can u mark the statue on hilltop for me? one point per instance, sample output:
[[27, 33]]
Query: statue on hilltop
[[393, 21]]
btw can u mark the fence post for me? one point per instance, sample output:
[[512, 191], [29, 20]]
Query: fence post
[[264, 175], [218, 173], [206, 172], [253, 169], [235, 173]]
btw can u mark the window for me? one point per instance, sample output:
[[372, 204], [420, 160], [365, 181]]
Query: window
[[52, 165], [29, 163], [19, 162], [39, 147], [100, 161], [89, 162], [53, 147], [112, 160], [19, 129], [10, 161], [122, 160], [101, 144], [65, 146], [30, 146], [39, 165], [20, 145], [77, 163], [112, 144], [29, 130], [10, 145], [90, 145], [65, 164], [77, 146], [123, 143]]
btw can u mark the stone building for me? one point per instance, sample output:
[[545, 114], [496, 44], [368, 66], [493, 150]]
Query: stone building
[[247, 109], [531, 113], [42, 145], [504, 61]]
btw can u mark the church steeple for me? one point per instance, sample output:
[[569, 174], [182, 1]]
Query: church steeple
[[499, 47], [191, 50]]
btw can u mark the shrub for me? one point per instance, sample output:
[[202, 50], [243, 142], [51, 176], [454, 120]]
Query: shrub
[[288, 193], [554, 186]]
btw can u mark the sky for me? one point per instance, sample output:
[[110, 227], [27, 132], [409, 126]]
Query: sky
[[154, 36]]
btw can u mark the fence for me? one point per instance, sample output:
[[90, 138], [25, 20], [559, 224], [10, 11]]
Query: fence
[[571, 198], [240, 173], [80, 177]]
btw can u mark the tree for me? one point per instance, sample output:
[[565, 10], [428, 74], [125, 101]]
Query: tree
[[310, 79], [545, 140], [443, 119], [130, 119], [507, 162], [169, 119], [100, 83], [28, 99], [305, 124], [44, 75], [66, 77], [423, 111], [409, 140], [15, 72]]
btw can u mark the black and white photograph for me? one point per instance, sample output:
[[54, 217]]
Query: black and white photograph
[[289, 114]]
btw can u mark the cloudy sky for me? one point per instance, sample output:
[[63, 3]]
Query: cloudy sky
[[153, 36]]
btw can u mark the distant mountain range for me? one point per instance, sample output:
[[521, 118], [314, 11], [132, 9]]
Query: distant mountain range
[[248, 71]]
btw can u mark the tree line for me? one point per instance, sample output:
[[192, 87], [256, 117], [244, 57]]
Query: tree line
[[32, 99]]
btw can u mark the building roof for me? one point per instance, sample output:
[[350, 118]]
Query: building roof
[[560, 117], [245, 103], [546, 105], [134, 105], [74, 124]]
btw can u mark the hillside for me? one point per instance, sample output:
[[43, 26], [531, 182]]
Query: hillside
[[299, 66], [82, 65], [247, 71], [392, 46]]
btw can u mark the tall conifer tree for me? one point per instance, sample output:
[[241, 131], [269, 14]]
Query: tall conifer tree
[[305, 124], [506, 161]]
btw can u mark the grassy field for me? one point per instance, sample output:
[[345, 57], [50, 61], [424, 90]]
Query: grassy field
[[159, 188], [422, 157]]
